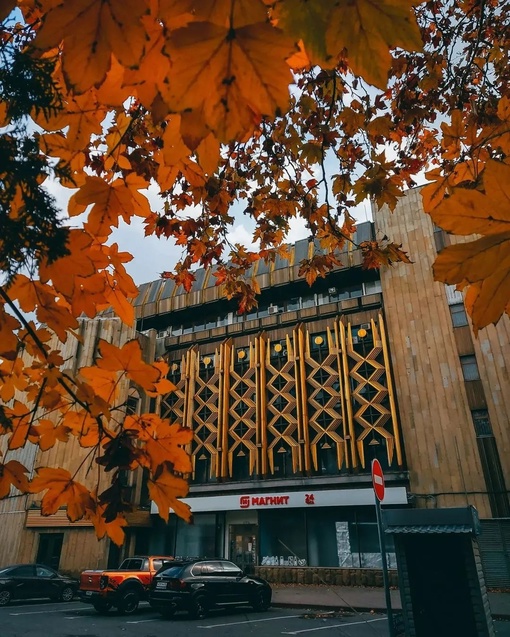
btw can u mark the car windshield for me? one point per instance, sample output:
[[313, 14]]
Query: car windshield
[[4, 571]]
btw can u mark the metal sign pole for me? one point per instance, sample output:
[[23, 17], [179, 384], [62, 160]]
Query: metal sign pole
[[386, 582]]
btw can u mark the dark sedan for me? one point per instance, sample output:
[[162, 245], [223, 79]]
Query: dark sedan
[[197, 586], [28, 581]]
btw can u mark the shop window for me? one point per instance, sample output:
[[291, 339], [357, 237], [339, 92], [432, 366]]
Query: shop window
[[458, 314], [469, 368], [197, 539], [283, 538]]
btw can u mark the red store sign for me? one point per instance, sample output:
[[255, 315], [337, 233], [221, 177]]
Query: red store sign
[[247, 501]]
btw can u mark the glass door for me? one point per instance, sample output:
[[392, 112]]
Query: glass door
[[243, 544]]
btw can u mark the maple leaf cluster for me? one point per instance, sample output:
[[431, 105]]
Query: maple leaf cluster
[[192, 98]]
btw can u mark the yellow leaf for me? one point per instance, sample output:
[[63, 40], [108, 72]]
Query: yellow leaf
[[306, 20], [368, 29]]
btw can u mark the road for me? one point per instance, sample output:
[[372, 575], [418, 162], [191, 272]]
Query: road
[[74, 619]]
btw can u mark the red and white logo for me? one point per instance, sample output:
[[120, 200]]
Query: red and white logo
[[244, 501]]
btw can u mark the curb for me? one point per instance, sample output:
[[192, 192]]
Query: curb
[[359, 609]]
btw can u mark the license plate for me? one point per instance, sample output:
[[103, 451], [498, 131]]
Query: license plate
[[160, 584], [88, 593]]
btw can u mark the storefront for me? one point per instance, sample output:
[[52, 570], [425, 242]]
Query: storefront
[[322, 528]]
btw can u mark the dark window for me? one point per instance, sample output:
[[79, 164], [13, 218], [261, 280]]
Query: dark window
[[459, 316], [42, 571], [439, 238], [481, 423], [469, 368], [49, 550]]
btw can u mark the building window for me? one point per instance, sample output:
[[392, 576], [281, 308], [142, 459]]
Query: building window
[[481, 423], [459, 316], [439, 238], [372, 287], [469, 368]]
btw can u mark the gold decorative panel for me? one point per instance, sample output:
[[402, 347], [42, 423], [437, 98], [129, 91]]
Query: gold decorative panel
[[310, 403], [173, 405], [323, 415], [372, 414], [205, 379], [280, 407], [239, 449]]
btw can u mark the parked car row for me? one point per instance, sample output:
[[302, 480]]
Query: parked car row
[[192, 585]]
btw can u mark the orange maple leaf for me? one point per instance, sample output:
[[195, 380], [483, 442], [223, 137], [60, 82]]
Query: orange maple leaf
[[91, 32], [232, 55], [46, 434], [167, 446], [164, 489], [110, 201], [61, 490], [114, 529], [128, 359], [12, 473]]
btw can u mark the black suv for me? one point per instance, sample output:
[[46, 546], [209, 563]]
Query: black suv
[[200, 585]]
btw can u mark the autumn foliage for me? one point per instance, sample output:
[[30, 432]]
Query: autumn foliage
[[296, 109]]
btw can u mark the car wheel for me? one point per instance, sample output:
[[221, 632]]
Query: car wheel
[[5, 597], [261, 601], [102, 606], [66, 594], [199, 608], [167, 613], [129, 602]]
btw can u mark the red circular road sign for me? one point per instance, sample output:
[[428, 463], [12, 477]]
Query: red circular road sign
[[378, 479]]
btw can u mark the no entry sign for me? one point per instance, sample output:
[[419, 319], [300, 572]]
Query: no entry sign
[[378, 479]]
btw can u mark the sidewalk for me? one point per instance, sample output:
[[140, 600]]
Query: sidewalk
[[358, 598]]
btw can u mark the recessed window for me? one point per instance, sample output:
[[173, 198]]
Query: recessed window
[[459, 316], [469, 368], [439, 238], [482, 423], [372, 287]]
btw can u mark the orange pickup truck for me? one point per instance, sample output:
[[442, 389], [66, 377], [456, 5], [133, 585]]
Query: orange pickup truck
[[124, 587]]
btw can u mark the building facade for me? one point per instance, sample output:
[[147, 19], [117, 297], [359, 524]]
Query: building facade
[[290, 403]]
